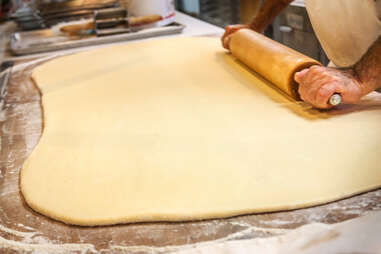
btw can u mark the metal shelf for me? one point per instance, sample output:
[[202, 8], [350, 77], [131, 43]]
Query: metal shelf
[[220, 12]]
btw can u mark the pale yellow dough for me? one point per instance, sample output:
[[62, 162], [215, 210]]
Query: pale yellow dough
[[177, 129]]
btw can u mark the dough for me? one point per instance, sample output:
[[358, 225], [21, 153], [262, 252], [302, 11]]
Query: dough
[[177, 129], [345, 28]]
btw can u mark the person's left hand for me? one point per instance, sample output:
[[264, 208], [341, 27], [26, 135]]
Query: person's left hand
[[317, 84], [229, 30]]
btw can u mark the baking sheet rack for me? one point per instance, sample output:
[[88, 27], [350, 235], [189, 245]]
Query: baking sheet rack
[[30, 42]]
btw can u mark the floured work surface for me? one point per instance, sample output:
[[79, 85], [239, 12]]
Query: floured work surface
[[23, 229], [175, 130]]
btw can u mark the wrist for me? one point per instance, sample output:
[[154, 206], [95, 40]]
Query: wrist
[[367, 88], [257, 26], [368, 68], [366, 85]]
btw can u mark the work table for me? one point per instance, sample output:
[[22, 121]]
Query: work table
[[23, 230]]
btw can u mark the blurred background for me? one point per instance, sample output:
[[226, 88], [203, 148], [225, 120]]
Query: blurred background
[[291, 28]]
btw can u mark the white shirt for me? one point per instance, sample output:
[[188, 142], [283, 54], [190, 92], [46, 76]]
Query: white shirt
[[345, 28]]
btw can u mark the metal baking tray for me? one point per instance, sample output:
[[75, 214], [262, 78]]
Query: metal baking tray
[[30, 42]]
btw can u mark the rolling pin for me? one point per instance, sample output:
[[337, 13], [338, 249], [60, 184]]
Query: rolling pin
[[275, 62], [73, 29]]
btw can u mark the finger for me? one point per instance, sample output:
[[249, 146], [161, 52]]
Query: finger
[[306, 78], [300, 79], [233, 28], [223, 38], [299, 76], [316, 73], [324, 94], [309, 86], [314, 79], [226, 42], [312, 88]]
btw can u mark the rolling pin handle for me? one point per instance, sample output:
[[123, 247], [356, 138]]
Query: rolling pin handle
[[285, 29], [335, 99]]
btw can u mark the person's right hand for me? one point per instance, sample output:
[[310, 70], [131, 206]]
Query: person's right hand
[[229, 30], [318, 83]]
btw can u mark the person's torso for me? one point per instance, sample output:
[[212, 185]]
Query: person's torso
[[345, 28]]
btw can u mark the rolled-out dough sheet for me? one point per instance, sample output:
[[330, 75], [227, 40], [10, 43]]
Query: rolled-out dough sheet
[[177, 129]]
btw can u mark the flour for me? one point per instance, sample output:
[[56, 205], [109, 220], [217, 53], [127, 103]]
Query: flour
[[312, 238], [8, 188], [46, 248], [168, 249], [25, 227], [260, 229], [16, 233], [31, 242], [35, 241]]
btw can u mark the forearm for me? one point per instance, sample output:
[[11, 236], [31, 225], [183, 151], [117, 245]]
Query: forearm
[[368, 69], [267, 13]]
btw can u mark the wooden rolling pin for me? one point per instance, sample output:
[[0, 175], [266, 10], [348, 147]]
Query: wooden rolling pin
[[275, 62], [73, 29]]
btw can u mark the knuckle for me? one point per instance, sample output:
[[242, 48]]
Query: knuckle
[[314, 73], [315, 69], [320, 95], [323, 92], [228, 28]]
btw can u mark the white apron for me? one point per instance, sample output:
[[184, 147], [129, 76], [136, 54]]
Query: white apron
[[345, 28]]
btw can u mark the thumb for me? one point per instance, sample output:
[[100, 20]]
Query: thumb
[[226, 42], [299, 76]]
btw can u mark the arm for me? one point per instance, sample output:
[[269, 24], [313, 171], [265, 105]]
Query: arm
[[368, 69], [317, 84], [266, 15]]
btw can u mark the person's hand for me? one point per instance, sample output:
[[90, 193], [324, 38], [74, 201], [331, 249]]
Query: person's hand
[[229, 30], [317, 84]]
